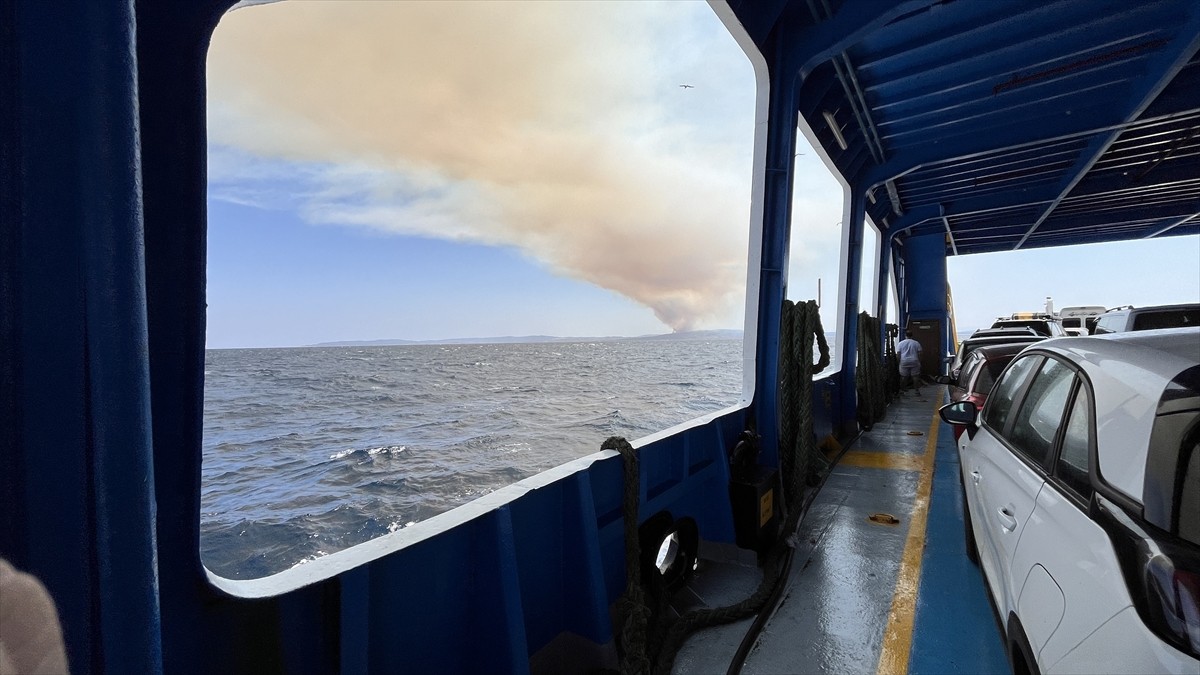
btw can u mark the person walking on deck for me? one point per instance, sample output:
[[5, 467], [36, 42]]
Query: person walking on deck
[[909, 351]]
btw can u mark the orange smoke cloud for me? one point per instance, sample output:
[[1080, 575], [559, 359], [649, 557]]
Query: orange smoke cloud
[[558, 128]]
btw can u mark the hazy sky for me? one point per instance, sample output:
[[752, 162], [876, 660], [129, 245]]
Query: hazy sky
[[432, 170]]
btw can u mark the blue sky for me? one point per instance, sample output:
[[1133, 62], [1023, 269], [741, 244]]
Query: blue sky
[[560, 184], [274, 280]]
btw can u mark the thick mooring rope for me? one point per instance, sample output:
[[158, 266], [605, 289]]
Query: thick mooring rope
[[870, 382], [893, 363], [800, 324], [631, 607]]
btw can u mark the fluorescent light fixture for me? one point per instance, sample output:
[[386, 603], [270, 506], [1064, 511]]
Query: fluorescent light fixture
[[894, 196], [837, 131]]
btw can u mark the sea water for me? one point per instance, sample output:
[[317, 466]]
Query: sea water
[[311, 450]]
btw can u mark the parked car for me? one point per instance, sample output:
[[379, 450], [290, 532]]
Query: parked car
[[1043, 324], [1004, 332], [984, 338], [979, 372], [1081, 484], [1148, 318]]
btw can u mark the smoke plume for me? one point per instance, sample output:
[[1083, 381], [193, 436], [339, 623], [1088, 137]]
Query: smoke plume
[[558, 128]]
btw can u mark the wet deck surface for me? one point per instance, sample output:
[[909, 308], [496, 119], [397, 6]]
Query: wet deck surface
[[865, 597]]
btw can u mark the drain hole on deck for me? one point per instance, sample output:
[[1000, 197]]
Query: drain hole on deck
[[883, 519]]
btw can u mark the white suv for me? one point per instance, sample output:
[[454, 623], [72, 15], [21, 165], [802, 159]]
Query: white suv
[[1081, 478], [1122, 319]]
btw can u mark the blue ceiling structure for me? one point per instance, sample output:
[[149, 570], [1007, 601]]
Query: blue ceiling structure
[[1006, 125]]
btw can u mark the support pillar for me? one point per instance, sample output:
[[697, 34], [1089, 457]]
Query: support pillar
[[853, 224]]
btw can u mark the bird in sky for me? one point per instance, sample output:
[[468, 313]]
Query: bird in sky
[[686, 86]]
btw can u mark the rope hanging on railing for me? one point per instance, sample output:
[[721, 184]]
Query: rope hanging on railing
[[870, 381], [893, 363], [800, 325], [631, 607]]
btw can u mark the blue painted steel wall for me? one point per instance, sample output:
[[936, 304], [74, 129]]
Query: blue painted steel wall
[[76, 366], [925, 280], [925, 267], [103, 158], [777, 203]]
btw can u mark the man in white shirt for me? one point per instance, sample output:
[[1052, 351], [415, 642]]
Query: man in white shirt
[[909, 351]]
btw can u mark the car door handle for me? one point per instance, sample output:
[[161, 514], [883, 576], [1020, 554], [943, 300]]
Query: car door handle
[[975, 477], [1007, 520]]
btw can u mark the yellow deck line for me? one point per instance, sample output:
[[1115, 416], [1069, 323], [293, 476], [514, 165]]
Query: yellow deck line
[[897, 637], [883, 460]]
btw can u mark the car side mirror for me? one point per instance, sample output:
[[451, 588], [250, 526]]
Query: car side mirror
[[943, 379], [963, 413]]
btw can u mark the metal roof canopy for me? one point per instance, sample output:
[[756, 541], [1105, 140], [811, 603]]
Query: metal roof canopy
[[1007, 125]]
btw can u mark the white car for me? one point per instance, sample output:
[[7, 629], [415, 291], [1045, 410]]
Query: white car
[[1123, 319], [1081, 479]]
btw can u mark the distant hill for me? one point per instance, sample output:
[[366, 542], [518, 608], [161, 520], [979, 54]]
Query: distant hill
[[722, 334]]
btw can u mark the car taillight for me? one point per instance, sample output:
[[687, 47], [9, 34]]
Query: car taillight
[[1162, 573], [977, 399]]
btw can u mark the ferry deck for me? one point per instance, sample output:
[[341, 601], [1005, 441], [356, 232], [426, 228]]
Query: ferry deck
[[865, 596]]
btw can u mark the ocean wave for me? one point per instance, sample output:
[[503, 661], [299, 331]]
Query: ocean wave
[[369, 452], [303, 457]]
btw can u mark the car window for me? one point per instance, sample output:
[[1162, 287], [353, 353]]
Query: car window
[[1188, 511], [1041, 411], [1072, 465], [979, 372], [1171, 494], [968, 369], [999, 404], [965, 352], [1039, 326], [990, 372], [1174, 318], [1110, 324]]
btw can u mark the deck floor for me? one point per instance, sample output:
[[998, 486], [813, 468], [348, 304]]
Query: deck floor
[[865, 597]]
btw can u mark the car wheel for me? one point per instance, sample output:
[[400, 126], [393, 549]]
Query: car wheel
[[1020, 656], [968, 530]]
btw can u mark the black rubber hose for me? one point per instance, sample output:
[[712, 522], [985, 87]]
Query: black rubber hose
[[760, 621]]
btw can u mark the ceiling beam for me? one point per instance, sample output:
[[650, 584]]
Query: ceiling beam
[[1170, 226], [1168, 63]]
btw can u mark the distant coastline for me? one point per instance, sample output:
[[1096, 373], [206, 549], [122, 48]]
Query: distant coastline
[[718, 334], [721, 334]]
